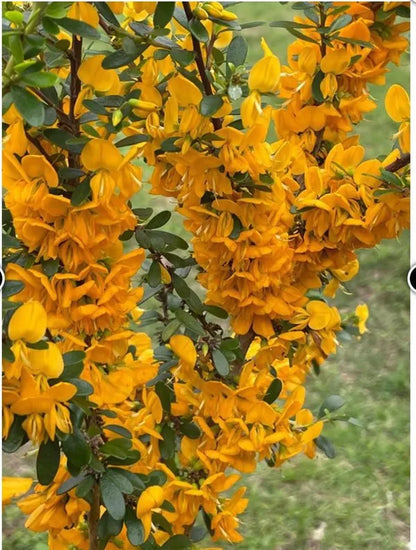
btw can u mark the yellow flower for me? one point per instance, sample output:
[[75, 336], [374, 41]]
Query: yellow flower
[[184, 348], [46, 361], [101, 154], [83, 11], [184, 91], [335, 61], [320, 314], [14, 487], [91, 73], [361, 311], [397, 103], [329, 85], [28, 323], [150, 500], [36, 399], [265, 74]]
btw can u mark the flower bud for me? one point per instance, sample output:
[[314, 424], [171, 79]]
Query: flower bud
[[28, 323]]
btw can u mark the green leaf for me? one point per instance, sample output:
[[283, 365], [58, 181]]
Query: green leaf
[[169, 241], [50, 26], [40, 79], [177, 542], [118, 448], [50, 267], [77, 450], [105, 10], [47, 462], [83, 388], [252, 24], [57, 10], [42, 344], [198, 30], [362, 43], [7, 241], [340, 22], [273, 391], [29, 106], [159, 220], [81, 193], [237, 228], [163, 13], [180, 286], [60, 138], [11, 288], [157, 477], [183, 57], [113, 498], [316, 87], [95, 107], [120, 430], [132, 140], [131, 458], [14, 16], [168, 445], [73, 357], [108, 527], [290, 25], [140, 28], [217, 312], [120, 58], [210, 104], [143, 213], [237, 51], [191, 430], [84, 487], [326, 446], [302, 36], [168, 145], [154, 275], [165, 394], [331, 403], [16, 437], [119, 480], [220, 362], [170, 329], [190, 322], [160, 54], [391, 178], [16, 48], [70, 484], [79, 28], [135, 531]]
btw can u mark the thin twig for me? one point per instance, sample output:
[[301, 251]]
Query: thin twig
[[75, 88], [398, 164], [200, 63]]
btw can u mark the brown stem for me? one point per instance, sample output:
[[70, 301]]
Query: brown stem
[[200, 63], [94, 517], [62, 115], [105, 26], [75, 88], [399, 163]]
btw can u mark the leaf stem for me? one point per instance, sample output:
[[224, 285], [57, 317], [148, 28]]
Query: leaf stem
[[200, 63]]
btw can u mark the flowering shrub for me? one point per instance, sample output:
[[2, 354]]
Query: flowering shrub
[[143, 399]]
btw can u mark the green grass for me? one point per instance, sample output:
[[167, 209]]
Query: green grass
[[359, 500]]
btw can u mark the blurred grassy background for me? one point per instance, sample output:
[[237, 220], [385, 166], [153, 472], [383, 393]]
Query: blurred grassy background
[[359, 500]]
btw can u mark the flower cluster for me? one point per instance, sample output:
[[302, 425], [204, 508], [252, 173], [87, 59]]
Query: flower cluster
[[277, 194]]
